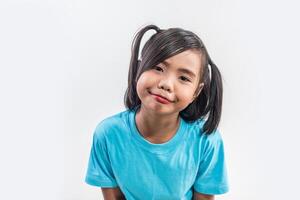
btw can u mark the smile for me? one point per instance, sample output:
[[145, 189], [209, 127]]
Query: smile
[[160, 99]]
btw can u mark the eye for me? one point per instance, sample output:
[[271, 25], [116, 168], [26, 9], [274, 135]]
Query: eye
[[158, 68], [184, 78]]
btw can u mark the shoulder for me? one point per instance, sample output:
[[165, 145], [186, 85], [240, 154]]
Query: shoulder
[[112, 124], [196, 133]]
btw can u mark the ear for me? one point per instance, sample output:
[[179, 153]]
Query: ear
[[198, 91]]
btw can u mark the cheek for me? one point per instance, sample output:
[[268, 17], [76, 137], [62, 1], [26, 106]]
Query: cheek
[[186, 95], [143, 83]]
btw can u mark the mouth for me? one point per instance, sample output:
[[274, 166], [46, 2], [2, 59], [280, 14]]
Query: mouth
[[160, 98]]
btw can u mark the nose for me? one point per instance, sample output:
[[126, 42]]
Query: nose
[[166, 84]]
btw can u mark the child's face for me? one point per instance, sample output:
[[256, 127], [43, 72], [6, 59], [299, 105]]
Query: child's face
[[168, 80]]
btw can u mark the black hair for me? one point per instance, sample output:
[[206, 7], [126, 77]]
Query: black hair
[[164, 44]]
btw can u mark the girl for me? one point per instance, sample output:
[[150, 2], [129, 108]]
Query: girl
[[165, 145]]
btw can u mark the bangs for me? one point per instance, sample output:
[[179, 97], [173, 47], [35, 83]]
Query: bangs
[[165, 44]]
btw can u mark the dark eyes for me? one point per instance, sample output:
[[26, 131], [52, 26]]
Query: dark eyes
[[183, 78], [157, 67]]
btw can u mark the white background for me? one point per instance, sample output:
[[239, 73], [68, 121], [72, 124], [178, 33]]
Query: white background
[[64, 68]]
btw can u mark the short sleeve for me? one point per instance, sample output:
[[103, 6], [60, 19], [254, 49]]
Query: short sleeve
[[212, 173], [99, 170]]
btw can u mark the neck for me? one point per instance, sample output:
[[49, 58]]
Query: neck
[[156, 128]]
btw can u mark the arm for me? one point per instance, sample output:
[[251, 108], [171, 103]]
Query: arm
[[199, 196], [112, 194]]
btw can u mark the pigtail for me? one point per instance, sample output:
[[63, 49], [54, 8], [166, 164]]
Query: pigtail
[[131, 98], [208, 105], [215, 95]]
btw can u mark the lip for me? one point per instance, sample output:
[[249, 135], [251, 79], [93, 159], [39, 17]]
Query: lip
[[160, 98]]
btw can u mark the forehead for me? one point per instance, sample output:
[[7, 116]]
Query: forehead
[[185, 61]]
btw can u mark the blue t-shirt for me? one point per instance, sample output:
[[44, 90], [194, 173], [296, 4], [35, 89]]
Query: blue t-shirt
[[121, 157]]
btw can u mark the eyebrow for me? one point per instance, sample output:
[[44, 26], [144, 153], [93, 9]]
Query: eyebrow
[[184, 70]]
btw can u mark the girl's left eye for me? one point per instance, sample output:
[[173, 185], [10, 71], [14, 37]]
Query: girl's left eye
[[184, 78]]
